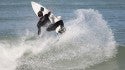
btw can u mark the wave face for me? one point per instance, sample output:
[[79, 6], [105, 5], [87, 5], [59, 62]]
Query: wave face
[[87, 41]]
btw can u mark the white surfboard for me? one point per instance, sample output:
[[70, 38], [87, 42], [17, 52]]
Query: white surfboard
[[36, 7]]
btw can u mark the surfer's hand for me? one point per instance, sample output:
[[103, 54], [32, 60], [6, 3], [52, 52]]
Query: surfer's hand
[[49, 13]]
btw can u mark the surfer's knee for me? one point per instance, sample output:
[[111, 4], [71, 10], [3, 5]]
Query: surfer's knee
[[61, 23]]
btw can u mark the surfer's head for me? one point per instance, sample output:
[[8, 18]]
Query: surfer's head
[[40, 13]]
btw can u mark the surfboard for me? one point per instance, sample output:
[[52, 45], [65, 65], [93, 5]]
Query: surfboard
[[36, 7]]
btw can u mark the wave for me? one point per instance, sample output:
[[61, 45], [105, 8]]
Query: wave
[[87, 41]]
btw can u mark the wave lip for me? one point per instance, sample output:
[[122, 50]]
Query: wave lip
[[89, 40]]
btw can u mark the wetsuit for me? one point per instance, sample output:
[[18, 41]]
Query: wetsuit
[[43, 20], [55, 25]]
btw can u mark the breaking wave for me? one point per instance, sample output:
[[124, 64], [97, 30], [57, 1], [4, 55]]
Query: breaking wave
[[87, 41]]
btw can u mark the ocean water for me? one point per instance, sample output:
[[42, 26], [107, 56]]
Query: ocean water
[[94, 37]]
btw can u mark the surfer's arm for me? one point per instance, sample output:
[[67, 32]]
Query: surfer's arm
[[41, 21]]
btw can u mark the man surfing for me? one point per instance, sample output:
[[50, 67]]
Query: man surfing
[[43, 20], [56, 25]]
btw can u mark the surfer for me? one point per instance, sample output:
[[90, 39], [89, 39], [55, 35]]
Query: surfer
[[44, 19]]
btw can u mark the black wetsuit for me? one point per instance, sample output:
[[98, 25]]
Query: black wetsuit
[[43, 20], [55, 25]]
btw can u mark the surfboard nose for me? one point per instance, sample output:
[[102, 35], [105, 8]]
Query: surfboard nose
[[36, 7]]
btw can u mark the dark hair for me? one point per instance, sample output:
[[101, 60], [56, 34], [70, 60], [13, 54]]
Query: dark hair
[[40, 14]]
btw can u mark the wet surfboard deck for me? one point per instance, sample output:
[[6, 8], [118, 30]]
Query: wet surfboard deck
[[37, 7]]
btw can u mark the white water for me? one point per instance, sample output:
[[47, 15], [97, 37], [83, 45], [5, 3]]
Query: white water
[[87, 41]]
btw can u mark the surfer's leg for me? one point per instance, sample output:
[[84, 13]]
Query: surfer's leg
[[51, 27]]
